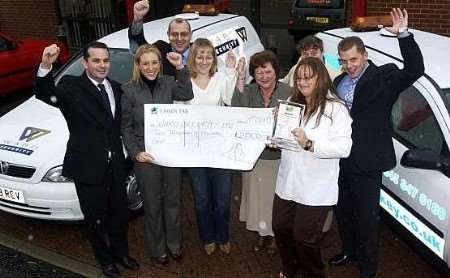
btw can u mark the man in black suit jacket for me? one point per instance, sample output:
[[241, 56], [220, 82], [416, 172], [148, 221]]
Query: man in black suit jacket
[[370, 92], [94, 158], [179, 33]]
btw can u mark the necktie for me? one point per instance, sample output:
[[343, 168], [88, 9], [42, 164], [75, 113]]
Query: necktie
[[349, 90], [105, 98]]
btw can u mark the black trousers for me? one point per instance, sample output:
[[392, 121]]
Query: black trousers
[[298, 232], [105, 217], [358, 217]]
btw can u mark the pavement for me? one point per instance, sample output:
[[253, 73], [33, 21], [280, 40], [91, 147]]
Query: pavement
[[64, 246], [16, 264]]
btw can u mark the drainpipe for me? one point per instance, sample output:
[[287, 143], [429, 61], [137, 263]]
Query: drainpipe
[[129, 4], [61, 33], [359, 8], [255, 14]]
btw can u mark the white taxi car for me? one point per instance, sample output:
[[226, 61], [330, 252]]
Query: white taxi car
[[33, 136], [416, 193]]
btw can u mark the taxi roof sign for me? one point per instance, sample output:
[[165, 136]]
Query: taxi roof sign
[[200, 9], [370, 23]]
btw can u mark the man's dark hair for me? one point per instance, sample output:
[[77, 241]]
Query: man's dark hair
[[90, 45], [259, 59], [309, 42], [349, 42]]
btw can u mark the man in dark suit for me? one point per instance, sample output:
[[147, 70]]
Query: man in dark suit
[[369, 92], [179, 33], [94, 158]]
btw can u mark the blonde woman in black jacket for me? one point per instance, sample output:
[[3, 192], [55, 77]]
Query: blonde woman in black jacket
[[159, 186]]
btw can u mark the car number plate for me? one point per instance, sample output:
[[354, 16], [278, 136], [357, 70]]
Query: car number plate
[[320, 20], [11, 195]]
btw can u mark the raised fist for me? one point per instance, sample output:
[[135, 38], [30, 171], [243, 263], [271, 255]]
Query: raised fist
[[141, 8], [230, 60], [49, 56], [241, 67], [175, 59]]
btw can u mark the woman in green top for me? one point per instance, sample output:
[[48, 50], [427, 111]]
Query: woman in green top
[[258, 185]]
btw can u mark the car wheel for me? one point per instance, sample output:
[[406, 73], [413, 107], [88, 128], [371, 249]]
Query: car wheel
[[134, 197]]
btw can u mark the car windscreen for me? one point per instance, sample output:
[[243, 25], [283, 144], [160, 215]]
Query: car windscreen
[[120, 71], [329, 4]]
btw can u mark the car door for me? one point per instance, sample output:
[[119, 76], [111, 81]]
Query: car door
[[418, 198], [18, 65], [7, 67]]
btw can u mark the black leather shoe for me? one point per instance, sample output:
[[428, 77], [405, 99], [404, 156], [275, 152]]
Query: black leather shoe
[[128, 262], [163, 260], [110, 271], [176, 256], [342, 259]]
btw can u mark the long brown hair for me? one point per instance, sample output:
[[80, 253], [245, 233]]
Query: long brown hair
[[324, 90]]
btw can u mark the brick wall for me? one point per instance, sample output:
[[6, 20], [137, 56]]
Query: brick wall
[[427, 15], [38, 19], [28, 18]]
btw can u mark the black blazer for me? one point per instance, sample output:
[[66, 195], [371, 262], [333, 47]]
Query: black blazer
[[93, 132], [375, 94]]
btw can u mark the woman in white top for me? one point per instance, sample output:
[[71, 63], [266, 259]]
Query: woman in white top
[[210, 86], [211, 187], [307, 181]]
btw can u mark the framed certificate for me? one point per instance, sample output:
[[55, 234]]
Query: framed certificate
[[289, 116]]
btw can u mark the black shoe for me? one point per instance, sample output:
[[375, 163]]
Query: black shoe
[[163, 260], [176, 256], [110, 271], [342, 259], [128, 262]]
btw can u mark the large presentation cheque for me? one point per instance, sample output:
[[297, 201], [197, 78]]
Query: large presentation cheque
[[180, 135]]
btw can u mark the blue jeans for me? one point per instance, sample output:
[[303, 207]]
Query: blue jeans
[[212, 197]]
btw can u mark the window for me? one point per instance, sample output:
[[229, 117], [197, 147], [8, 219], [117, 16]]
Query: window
[[3, 44], [120, 71], [414, 122]]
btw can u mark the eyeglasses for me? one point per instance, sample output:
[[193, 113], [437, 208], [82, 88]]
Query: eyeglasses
[[312, 52], [182, 35], [306, 79]]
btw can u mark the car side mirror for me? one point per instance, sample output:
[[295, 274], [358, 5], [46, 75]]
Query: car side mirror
[[425, 159]]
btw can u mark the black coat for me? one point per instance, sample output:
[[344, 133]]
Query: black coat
[[93, 132], [375, 94]]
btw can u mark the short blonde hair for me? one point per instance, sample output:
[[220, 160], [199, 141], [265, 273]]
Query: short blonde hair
[[144, 49], [195, 48]]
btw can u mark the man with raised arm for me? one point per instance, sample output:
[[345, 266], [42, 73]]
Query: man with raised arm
[[94, 157], [179, 33], [369, 92]]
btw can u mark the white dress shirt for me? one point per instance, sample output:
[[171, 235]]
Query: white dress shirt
[[43, 72]]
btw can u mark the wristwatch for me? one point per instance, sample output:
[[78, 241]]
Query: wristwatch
[[308, 145]]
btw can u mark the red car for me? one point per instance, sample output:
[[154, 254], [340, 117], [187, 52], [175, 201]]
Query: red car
[[19, 60]]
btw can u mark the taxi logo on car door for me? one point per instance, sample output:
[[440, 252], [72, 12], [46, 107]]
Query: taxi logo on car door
[[31, 133], [4, 166]]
